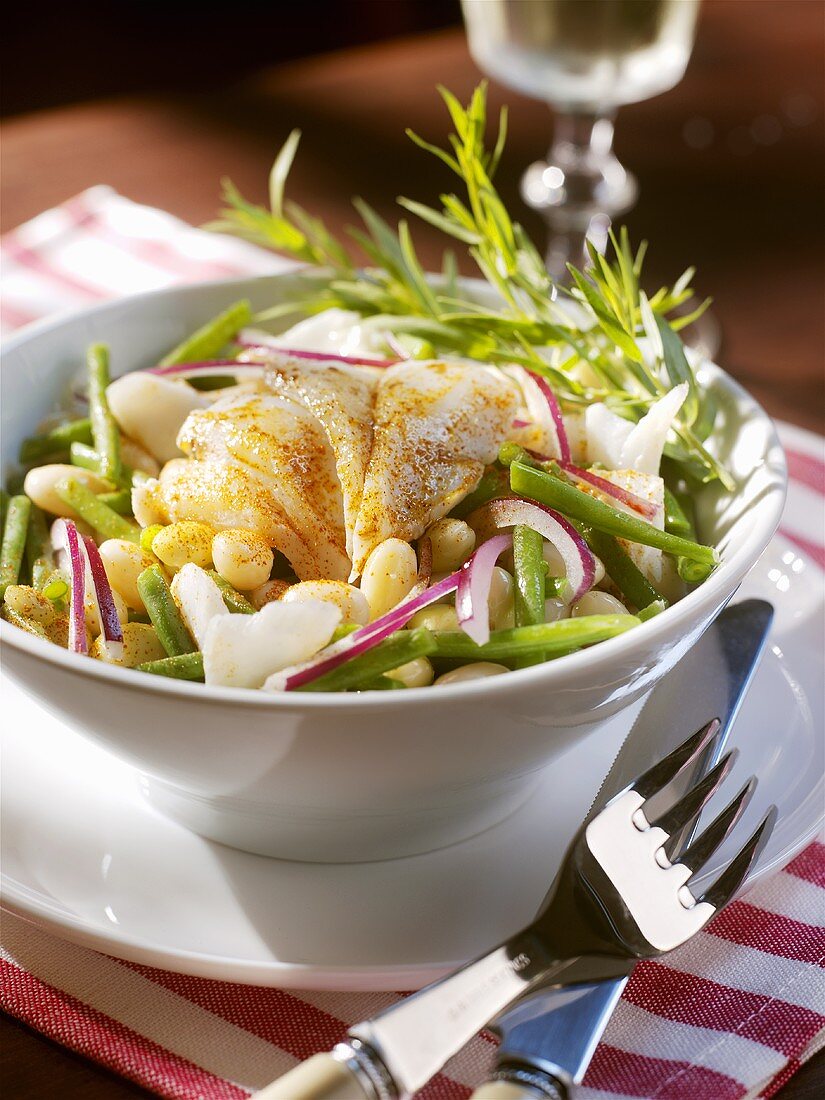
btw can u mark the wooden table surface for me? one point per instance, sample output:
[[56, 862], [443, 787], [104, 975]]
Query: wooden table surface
[[731, 171]]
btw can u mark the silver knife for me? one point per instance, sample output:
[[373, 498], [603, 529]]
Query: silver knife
[[548, 1038]]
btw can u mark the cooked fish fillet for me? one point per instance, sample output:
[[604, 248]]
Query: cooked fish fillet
[[436, 425], [651, 488], [342, 397], [262, 463]]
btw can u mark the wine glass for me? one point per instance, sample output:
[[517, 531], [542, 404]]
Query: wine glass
[[585, 58]]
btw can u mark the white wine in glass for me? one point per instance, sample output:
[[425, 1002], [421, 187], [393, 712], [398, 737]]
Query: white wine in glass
[[585, 58]]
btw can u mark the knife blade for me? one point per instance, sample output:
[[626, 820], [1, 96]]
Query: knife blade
[[548, 1038]]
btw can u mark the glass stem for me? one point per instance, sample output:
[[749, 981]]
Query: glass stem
[[580, 188]]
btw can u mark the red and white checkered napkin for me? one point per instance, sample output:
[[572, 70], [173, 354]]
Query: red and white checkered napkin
[[731, 1015]]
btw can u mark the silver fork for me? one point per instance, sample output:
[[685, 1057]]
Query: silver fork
[[623, 893]]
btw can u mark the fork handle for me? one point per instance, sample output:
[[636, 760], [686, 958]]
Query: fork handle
[[320, 1078]]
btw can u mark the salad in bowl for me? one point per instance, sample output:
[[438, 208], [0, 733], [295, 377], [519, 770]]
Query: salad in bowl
[[411, 486]]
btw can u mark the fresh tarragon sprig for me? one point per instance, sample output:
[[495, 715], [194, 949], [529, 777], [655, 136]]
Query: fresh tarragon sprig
[[628, 341]]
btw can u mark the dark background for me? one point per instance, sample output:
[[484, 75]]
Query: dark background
[[54, 53], [160, 100]]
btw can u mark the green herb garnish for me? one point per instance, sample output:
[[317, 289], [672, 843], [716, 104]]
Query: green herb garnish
[[604, 319]]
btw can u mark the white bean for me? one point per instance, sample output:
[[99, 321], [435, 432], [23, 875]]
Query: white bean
[[266, 593], [437, 617], [124, 562], [452, 541], [555, 562], [242, 558], [39, 486], [478, 671], [414, 674], [597, 603], [389, 574], [554, 609], [556, 567], [349, 600], [183, 542], [140, 644], [30, 604], [138, 457], [501, 600]]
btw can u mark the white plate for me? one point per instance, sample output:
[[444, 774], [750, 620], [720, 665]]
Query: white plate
[[94, 864]]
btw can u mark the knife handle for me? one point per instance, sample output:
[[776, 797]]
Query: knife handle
[[521, 1086], [322, 1077]]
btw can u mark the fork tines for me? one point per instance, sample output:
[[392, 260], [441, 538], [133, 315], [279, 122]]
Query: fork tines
[[739, 868], [657, 777], [674, 821]]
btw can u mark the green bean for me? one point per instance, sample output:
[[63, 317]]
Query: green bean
[[14, 541], [139, 617], [105, 432], [80, 454], [212, 382], [39, 549], [652, 610], [575, 504], [55, 587], [119, 501], [554, 587], [675, 519], [398, 649], [233, 600], [163, 611], [382, 683], [343, 631], [4, 507], [492, 485], [511, 452], [693, 572], [554, 639], [95, 512], [56, 440], [185, 666], [620, 567], [208, 340], [15, 483], [530, 569], [147, 536]]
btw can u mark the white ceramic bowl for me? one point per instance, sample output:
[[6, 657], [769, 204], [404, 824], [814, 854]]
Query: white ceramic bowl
[[352, 777]]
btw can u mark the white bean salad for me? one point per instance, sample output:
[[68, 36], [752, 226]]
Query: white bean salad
[[403, 490]]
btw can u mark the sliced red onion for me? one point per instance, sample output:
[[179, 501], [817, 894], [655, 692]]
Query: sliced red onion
[[555, 412], [106, 611], [65, 537], [579, 563], [209, 368], [302, 353], [472, 598], [643, 507], [521, 423]]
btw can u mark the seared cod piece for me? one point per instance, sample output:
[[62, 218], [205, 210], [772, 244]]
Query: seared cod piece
[[342, 398], [436, 426], [262, 463]]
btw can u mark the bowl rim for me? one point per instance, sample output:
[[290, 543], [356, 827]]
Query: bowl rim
[[715, 591]]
